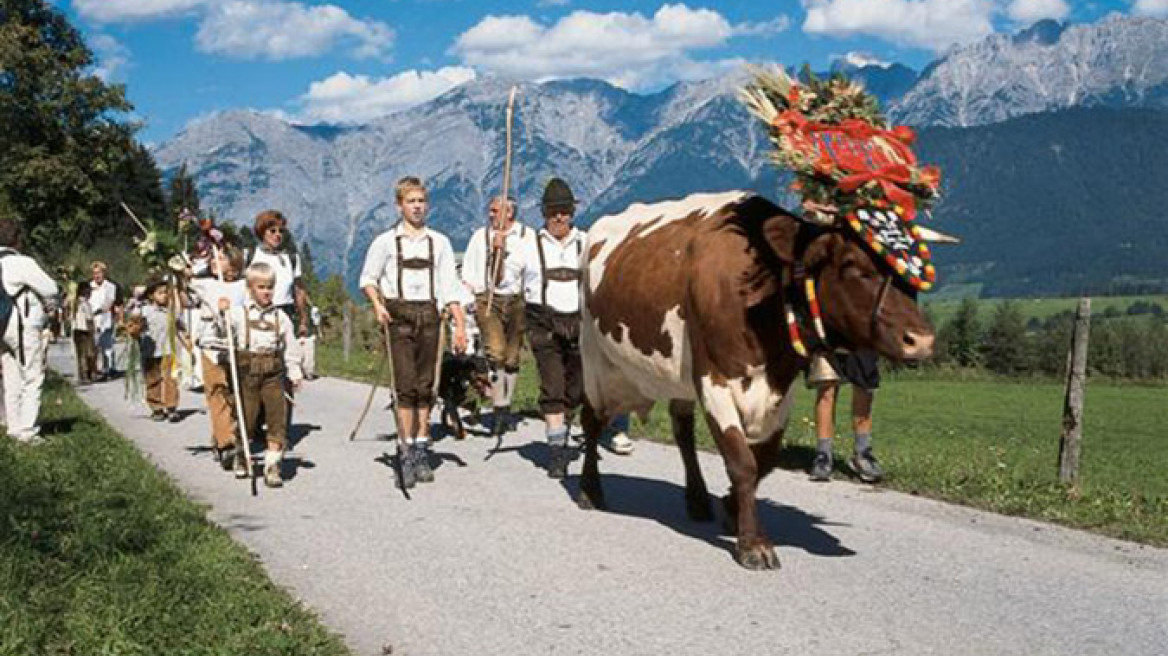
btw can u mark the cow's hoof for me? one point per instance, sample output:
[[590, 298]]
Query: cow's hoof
[[698, 508], [758, 555], [591, 501]]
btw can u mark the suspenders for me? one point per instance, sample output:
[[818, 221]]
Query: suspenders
[[415, 263], [559, 274], [487, 246], [247, 329]]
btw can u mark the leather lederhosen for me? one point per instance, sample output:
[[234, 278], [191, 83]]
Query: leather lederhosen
[[555, 342], [414, 335]]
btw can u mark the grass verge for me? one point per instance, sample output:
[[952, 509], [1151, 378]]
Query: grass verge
[[101, 554]]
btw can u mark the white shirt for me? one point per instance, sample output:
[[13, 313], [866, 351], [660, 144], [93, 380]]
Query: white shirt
[[21, 273], [267, 330], [102, 298], [381, 267], [156, 335], [474, 261], [287, 268], [83, 316], [209, 291], [562, 295]]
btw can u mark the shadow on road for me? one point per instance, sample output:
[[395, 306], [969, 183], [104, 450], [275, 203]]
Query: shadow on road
[[297, 432], [664, 503]]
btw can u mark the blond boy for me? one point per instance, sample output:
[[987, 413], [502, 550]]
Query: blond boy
[[267, 353]]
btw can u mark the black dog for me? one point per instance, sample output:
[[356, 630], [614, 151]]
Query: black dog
[[466, 380]]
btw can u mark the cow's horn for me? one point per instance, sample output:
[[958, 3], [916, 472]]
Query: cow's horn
[[936, 236]]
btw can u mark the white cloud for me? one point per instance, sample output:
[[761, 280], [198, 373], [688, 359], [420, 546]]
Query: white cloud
[[112, 57], [344, 98], [122, 11], [626, 48], [1027, 12], [263, 29], [930, 24], [861, 59], [1154, 8], [255, 29]]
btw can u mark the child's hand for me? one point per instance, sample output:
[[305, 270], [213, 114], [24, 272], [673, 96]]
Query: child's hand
[[224, 304]]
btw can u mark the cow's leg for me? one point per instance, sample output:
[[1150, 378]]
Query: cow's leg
[[591, 492], [697, 498], [754, 550]]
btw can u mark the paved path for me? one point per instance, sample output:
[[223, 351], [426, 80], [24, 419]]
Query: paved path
[[495, 559]]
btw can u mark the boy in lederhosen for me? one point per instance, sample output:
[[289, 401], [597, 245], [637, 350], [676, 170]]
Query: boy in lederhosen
[[409, 274], [267, 353], [163, 331], [551, 283], [494, 261]]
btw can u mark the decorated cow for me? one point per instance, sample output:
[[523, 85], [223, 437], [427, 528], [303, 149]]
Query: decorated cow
[[722, 298]]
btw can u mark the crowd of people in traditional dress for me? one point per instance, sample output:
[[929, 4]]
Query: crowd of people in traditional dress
[[245, 333]]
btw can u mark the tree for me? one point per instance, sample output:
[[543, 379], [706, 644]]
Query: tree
[[962, 335], [1005, 347], [182, 193], [61, 141]]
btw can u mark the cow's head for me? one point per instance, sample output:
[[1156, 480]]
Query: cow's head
[[863, 304]]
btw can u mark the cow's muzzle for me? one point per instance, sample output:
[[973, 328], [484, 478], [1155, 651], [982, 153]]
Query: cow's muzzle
[[917, 345]]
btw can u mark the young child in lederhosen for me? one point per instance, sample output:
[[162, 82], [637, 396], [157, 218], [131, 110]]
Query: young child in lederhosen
[[214, 357], [163, 332], [409, 274], [268, 353]]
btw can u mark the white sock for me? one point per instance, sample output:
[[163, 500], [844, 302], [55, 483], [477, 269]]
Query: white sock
[[509, 380], [272, 458]]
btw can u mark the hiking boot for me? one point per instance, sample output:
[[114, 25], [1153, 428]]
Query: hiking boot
[[422, 470], [405, 467], [239, 464], [227, 458], [173, 417], [558, 461], [502, 422], [158, 415], [821, 467], [617, 442], [866, 467], [272, 476]]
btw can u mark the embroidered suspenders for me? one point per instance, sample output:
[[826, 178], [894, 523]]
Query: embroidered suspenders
[[559, 274], [415, 263]]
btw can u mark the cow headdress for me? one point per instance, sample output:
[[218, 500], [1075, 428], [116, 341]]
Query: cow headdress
[[851, 168]]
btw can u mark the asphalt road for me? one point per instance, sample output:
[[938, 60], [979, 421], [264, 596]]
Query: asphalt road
[[494, 558]]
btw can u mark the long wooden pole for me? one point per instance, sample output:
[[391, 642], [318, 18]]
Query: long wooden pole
[[504, 205], [1072, 433], [241, 420]]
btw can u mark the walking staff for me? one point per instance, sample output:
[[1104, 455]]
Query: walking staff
[[233, 360]]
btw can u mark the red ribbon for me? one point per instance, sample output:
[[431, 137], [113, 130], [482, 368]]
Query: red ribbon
[[890, 179]]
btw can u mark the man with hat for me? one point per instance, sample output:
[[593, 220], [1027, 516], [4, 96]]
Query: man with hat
[[551, 287], [493, 270]]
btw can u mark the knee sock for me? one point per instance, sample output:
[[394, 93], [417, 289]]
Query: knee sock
[[823, 446], [863, 442], [557, 436], [509, 379]]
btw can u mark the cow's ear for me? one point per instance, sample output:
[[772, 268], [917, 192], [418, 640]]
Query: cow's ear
[[780, 232]]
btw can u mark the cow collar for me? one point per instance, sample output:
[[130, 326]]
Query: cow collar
[[797, 284]]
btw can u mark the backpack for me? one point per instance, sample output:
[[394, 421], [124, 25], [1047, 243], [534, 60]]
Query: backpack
[[7, 301]]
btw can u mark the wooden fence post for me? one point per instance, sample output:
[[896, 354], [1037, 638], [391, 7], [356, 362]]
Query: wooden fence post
[[347, 328], [1073, 405]]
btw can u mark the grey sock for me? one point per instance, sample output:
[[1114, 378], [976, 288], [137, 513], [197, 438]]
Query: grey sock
[[557, 436], [863, 442], [823, 446]]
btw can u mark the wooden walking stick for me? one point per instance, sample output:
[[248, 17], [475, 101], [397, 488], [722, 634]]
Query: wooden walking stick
[[241, 419], [387, 360], [504, 198]]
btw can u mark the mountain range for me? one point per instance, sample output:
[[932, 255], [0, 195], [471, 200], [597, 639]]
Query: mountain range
[[1008, 109]]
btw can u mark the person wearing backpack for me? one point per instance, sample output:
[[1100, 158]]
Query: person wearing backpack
[[27, 296]]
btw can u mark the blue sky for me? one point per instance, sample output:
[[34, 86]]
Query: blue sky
[[346, 61]]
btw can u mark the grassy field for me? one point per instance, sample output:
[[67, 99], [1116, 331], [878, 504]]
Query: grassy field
[[977, 440], [942, 310], [101, 554]]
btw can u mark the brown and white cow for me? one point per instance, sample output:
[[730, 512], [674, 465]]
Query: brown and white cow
[[683, 302]]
